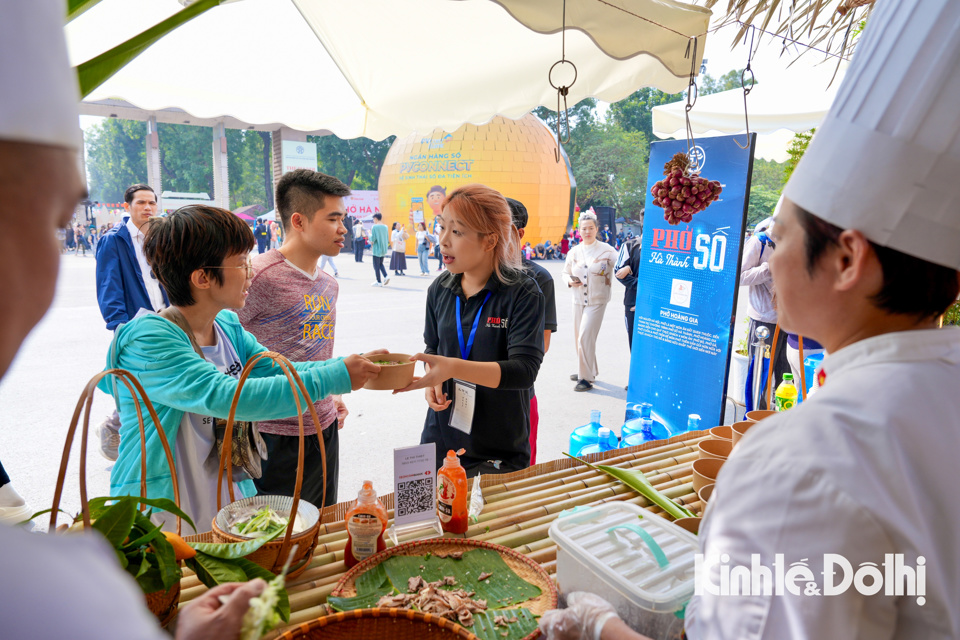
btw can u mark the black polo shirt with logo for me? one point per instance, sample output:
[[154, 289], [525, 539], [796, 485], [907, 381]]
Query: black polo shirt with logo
[[511, 327]]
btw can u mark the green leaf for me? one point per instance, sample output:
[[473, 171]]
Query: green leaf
[[166, 559], [115, 523], [144, 539], [99, 505], [485, 629], [40, 513], [635, 479], [144, 566], [122, 558], [75, 8], [253, 570], [213, 571], [233, 550], [364, 601], [94, 72]]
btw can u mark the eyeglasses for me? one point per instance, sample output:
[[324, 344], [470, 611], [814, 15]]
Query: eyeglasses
[[248, 267]]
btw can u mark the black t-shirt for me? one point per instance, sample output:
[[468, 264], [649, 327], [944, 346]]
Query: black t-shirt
[[511, 326], [544, 280]]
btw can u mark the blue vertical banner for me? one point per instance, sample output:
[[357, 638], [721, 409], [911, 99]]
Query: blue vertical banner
[[687, 289]]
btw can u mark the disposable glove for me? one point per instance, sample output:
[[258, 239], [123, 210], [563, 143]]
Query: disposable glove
[[583, 619]]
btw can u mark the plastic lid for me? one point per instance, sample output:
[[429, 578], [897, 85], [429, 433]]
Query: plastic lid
[[595, 416], [788, 377], [603, 540], [367, 493], [604, 433], [452, 459], [646, 409]]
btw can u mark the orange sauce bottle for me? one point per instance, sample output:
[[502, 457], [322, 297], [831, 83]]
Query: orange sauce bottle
[[452, 493], [366, 522]]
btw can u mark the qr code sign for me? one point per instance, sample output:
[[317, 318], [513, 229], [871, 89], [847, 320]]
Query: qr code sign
[[416, 496]]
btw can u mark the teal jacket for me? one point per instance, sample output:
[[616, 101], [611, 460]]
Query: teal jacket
[[379, 240], [177, 380]]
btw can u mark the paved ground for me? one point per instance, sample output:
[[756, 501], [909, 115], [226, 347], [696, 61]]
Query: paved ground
[[39, 393]]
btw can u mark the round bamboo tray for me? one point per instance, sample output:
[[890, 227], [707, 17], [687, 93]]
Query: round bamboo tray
[[523, 566], [378, 624]]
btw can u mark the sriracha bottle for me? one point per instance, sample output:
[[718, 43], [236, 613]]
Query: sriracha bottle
[[366, 522], [452, 493]]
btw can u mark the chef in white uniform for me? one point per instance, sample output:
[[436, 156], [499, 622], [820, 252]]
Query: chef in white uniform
[[868, 247], [60, 586]]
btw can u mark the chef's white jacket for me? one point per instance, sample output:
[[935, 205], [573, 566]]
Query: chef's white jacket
[[866, 467]]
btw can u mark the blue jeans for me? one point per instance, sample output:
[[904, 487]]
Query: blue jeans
[[423, 254]]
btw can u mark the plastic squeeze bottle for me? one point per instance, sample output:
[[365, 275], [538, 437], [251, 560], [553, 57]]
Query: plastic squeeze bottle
[[786, 396], [452, 493], [366, 522]]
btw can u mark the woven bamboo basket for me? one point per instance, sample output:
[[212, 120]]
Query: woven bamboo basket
[[162, 604], [273, 555], [378, 624], [523, 566]]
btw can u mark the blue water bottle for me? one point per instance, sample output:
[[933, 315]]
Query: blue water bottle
[[606, 441], [650, 430], [586, 434]]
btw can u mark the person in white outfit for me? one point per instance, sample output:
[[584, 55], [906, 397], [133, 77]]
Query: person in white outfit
[[589, 272], [837, 513]]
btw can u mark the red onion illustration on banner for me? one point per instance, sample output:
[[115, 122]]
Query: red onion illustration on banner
[[683, 193]]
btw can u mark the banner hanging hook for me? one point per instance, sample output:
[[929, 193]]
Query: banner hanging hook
[[692, 94], [563, 120], [747, 73]]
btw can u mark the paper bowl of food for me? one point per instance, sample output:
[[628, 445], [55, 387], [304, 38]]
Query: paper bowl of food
[[715, 449], [258, 516], [758, 415], [396, 371]]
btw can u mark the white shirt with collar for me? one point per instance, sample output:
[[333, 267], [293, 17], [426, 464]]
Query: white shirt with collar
[[149, 281], [864, 468]]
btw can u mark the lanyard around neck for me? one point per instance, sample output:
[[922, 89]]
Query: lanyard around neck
[[465, 349]]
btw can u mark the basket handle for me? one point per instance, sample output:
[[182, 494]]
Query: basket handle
[[86, 402], [226, 453], [655, 549]]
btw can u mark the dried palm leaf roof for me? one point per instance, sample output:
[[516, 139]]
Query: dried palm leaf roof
[[828, 25]]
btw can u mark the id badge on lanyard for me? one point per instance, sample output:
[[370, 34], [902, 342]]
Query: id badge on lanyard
[[465, 393]]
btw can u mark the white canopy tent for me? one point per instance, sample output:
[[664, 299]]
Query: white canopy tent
[[380, 67], [796, 100]]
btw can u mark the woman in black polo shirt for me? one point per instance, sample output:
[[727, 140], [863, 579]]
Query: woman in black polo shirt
[[484, 337]]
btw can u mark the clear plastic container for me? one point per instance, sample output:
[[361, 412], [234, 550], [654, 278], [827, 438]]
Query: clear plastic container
[[602, 550]]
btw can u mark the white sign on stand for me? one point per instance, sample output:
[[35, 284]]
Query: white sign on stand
[[415, 494], [299, 155]]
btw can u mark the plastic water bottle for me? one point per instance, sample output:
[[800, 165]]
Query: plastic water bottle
[[649, 430], [635, 426], [586, 434], [606, 441], [786, 396], [693, 422]]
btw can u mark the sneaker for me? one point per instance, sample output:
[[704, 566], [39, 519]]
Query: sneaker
[[375, 284], [574, 376], [386, 281], [336, 275], [13, 509], [583, 385], [109, 441]]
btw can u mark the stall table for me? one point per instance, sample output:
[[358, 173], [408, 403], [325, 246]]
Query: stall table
[[518, 510]]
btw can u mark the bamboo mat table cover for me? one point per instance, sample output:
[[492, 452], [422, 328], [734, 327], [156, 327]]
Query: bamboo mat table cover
[[518, 510]]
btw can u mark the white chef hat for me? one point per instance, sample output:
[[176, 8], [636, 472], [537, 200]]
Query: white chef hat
[[886, 159], [38, 89]]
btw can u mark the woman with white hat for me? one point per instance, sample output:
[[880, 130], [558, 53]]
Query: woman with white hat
[[589, 272]]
